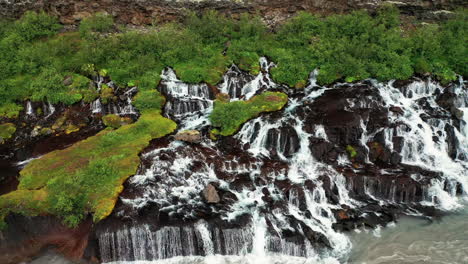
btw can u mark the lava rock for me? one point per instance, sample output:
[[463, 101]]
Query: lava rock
[[210, 194], [192, 136]]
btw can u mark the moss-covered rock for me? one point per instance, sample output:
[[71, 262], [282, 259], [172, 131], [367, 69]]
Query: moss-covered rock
[[115, 121], [229, 116], [10, 110], [6, 131], [107, 94], [88, 176]]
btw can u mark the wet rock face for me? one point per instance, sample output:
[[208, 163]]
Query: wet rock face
[[335, 159], [26, 237], [273, 11]]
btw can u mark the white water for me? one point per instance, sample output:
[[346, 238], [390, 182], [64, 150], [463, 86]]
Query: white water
[[175, 184]]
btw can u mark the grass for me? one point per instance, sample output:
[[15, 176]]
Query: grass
[[88, 176], [228, 117]]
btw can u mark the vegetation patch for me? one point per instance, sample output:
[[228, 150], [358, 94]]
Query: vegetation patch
[[227, 116], [35, 58], [88, 176], [115, 121], [10, 110], [351, 151], [6, 131]]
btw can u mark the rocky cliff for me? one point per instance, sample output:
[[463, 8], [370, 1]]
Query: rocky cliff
[[145, 12]]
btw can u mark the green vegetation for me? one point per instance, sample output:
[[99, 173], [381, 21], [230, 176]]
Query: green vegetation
[[88, 176], [35, 58], [115, 121], [351, 151], [6, 131], [229, 116], [10, 110]]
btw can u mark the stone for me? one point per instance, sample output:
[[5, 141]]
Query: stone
[[457, 112], [67, 81], [397, 110], [192, 136], [210, 194]]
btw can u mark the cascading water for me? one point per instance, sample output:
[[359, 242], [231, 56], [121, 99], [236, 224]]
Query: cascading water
[[287, 183]]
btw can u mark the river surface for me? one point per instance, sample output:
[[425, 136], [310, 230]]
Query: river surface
[[414, 241]]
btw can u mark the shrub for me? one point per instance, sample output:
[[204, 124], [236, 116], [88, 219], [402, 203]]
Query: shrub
[[98, 23], [34, 25]]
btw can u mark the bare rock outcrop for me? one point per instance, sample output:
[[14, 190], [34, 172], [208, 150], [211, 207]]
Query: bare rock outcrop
[[146, 12]]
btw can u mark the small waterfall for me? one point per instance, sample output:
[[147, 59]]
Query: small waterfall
[[240, 85], [49, 109], [128, 108], [96, 106], [187, 103], [29, 109]]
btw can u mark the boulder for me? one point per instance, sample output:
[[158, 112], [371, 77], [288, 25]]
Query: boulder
[[210, 194], [192, 136]]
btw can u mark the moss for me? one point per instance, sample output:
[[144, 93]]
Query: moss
[[351, 151], [88, 176], [107, 94], [115, 121], [45, 131], [229, 116], [71, 128], [103, 72], [59, 122], [10, 110], [6, 131]]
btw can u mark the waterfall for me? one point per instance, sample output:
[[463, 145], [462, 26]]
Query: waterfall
[[128, 108], [189, 104], [240, 85], [96, 106], [49, 109], [419, 147], [286, 180], [29, 109]]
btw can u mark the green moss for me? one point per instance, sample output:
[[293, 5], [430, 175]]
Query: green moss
[[88, 176], [10, 110], [351, 151], [107, 94], [115, 121], [229, 116], [6, 131]]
